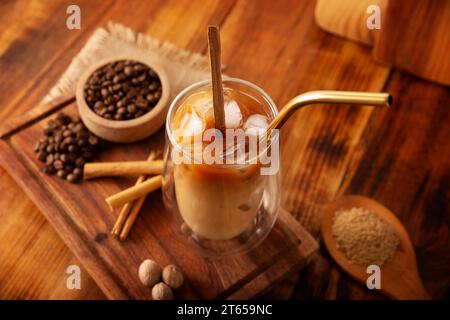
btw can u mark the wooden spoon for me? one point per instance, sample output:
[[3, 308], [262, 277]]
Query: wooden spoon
[[399, 277]]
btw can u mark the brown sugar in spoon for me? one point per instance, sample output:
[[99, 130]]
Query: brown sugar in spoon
[[399, 276]]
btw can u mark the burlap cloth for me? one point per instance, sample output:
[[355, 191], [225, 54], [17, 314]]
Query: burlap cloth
[[183, 67]]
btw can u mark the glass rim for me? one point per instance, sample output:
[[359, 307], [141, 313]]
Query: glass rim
[[201, 83]]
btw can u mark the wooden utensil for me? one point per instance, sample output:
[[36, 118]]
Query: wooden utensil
[[399, 277]]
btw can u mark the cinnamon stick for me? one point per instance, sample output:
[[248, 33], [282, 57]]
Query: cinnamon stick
[[124, 213], [125, 168], [135, 192], [137, 205], [216, 76]]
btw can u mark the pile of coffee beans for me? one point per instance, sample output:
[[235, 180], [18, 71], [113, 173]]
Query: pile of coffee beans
[[122, 90], [66, 146]]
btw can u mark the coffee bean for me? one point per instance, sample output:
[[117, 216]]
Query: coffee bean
[[50, 148], [110, 74], [78, 127], [42, 156], [117, 79], [72, 148], [122, 111], [49, 169], [82, 142], [138, 67], [131, 108], [119, 66], [93, 140], [62, 146], [72, 178], [67, 133], [152, 74], [61, 173], [153, 86], [101, 111], [83, 133], [141, 103], [128, 71], [142, 78], [79, 162], [58, 138], [63, 118], [36, 146], [87, 155], [98, 105], [48, 131], [58, 164], [104, 92]]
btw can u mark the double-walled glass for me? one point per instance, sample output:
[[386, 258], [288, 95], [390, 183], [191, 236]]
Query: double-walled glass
[[220, 209]]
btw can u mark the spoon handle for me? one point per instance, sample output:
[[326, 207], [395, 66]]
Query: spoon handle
[[332, 97]]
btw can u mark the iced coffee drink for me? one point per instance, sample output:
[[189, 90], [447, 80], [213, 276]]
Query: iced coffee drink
[[218, 200], [224, 196]]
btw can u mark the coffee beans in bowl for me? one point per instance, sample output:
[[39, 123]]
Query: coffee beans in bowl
[[123, 99], [67, 144], [123, 90]]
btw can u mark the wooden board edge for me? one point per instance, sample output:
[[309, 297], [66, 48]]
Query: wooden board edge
[[277, 272], [308, 245], [282, 268], [12, 163], [34, 115]]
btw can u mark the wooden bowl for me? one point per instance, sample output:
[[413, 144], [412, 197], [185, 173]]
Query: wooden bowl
[[124, 131]]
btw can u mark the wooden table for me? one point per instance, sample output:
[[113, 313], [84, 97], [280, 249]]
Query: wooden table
[[400, 157]]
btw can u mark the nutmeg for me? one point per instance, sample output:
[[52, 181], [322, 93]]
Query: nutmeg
[[161, 291], [172, 276], [149, 272]]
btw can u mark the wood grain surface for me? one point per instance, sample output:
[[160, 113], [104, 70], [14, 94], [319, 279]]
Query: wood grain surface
[[347, 18], [415, 37], [401, 157]]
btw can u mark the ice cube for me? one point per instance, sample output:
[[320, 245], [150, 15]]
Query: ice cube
[[256, 125], [233, 115], [203, 107], [191, 124]]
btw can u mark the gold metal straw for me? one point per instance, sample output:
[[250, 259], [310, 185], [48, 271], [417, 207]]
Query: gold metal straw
[[333, 97]]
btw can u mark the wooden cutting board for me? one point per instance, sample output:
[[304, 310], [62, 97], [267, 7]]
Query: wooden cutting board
[[81, 217]]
